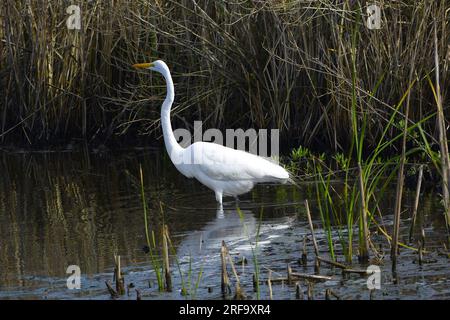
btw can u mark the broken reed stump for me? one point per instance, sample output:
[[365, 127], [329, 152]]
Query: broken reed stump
[[239, 295], [289, 274], [304, 260], [225, 281], [317, 266], [120, 280], [255, 283], [311, 228], [422, 236], [416, 203], [269, 284], [138, 294], [166, 262], [298, 291], [329, 293], [130, 286], [420, 253], [111, 290], [310, 291]]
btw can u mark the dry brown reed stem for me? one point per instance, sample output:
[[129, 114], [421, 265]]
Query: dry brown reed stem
[[420, 245], [120, 281], [364, 246], [416, 203], [333, 263], [317, 266], [275, 280], [239, 295], [361, 272], [401, 175], [166, 261], [445, 161], [289, 274], [225, 280], [294, 276], [397, 212], [315, 277], [310, 291], [311, 228], [422, 236]]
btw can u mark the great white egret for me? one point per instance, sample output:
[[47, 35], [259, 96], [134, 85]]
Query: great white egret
[[226, 171]]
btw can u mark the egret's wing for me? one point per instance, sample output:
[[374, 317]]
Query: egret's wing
[[222, 163]]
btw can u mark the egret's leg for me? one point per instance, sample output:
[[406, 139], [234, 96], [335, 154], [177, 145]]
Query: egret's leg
[[219, 212], [219, 197]]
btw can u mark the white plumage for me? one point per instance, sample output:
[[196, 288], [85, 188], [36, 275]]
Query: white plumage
[[224, 170]]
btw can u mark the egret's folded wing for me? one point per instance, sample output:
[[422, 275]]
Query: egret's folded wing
[[222, 163]]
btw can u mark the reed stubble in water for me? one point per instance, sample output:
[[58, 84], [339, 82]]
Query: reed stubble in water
[[120, 280], [225, 280]]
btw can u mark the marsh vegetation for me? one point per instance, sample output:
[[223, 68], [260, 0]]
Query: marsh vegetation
[[362, 113]]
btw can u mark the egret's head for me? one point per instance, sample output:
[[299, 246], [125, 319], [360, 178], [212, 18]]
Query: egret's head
[[158, 66]]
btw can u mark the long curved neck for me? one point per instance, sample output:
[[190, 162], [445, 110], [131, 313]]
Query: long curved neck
[[171, 143]]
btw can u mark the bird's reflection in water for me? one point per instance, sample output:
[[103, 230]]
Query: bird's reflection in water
[[230, 225], [219, 213]]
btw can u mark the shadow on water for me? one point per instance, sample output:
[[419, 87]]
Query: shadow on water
[[61, 209]]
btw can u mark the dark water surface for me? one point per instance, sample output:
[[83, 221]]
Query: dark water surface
[[78, 208]]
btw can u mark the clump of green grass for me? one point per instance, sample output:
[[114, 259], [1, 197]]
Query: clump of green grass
[[362, 181], [151, 241], [160, 263]]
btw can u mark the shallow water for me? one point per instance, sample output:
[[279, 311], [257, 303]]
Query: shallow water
[[78, 208]]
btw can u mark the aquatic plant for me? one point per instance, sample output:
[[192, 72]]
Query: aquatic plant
[[151, 242]]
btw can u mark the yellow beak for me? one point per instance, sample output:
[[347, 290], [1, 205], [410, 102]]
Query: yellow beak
[[142, 65]]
